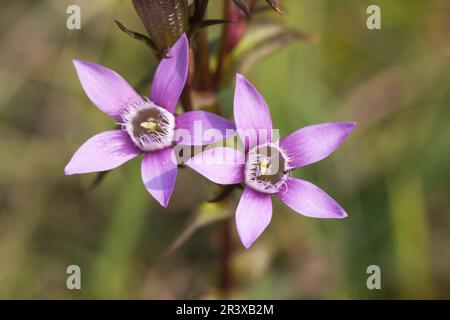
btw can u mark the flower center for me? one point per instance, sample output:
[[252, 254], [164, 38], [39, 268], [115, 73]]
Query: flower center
[[266, 168], [149, 126]]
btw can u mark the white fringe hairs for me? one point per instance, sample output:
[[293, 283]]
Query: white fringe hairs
[[149, 140], [253, 171]]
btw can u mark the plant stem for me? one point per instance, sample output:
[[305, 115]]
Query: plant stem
[[226, 279], [223, 53], [202, 61], [202, 76], [226, 274], [186, 98]]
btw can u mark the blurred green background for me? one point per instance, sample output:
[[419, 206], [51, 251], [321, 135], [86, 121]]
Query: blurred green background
[[392, 174]]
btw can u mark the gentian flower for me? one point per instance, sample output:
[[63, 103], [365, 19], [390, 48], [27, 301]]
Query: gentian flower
[[148, 125], [265, 167]]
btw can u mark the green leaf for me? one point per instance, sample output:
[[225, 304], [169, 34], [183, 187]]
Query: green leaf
[[206, 24], [211, 22], [262, 40], [138, 36]]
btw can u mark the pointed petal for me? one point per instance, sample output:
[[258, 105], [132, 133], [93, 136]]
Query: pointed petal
[[220, 165], [204, 127], [309, 200], [104, 151], [106, 88], [159, 173], [170, 77], [253, 215], [314, 143], [251, 114]]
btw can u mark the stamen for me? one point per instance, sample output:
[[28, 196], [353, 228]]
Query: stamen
[[149, 126], [266, 168]]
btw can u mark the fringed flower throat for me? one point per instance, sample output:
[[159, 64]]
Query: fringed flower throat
[[149, 126], [266, 169]]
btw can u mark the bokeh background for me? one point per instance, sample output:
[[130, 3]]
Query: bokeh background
[[392, 174]]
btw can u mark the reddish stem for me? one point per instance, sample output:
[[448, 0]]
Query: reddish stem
[[223, 53], [202, 61], [186, 98]]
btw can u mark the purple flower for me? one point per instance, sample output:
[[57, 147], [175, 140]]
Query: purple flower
[[148, 125], [265, 167]]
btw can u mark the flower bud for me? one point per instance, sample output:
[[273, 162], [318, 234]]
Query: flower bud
[[164, 20]]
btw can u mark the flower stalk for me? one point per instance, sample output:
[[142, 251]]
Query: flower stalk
[[226, 272]]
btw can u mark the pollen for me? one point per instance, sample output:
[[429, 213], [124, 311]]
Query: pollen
[[149, 124], [266, 168]]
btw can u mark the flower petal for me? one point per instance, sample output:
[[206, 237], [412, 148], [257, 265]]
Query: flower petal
[[170, 77], [106, 88], [204, 127], [220, 165], [314, 143], [251, 114], [159, 173], [309, 200], [253, 215], [104, 151]]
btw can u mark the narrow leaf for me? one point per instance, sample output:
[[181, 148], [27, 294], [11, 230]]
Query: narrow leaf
[[98, 180], [275, 6], [243, 6], [137, 36], [263, 40], [212, 22]]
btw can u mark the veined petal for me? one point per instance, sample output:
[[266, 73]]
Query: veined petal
[[159, 173], [106, 88], [253, 215], [220, 165], [170, 77], [314, 143], [104, 151], [251, 114], [204, 127], [309, 200]]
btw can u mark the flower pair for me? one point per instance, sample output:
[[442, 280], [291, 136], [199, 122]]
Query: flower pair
[[149, 126]]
